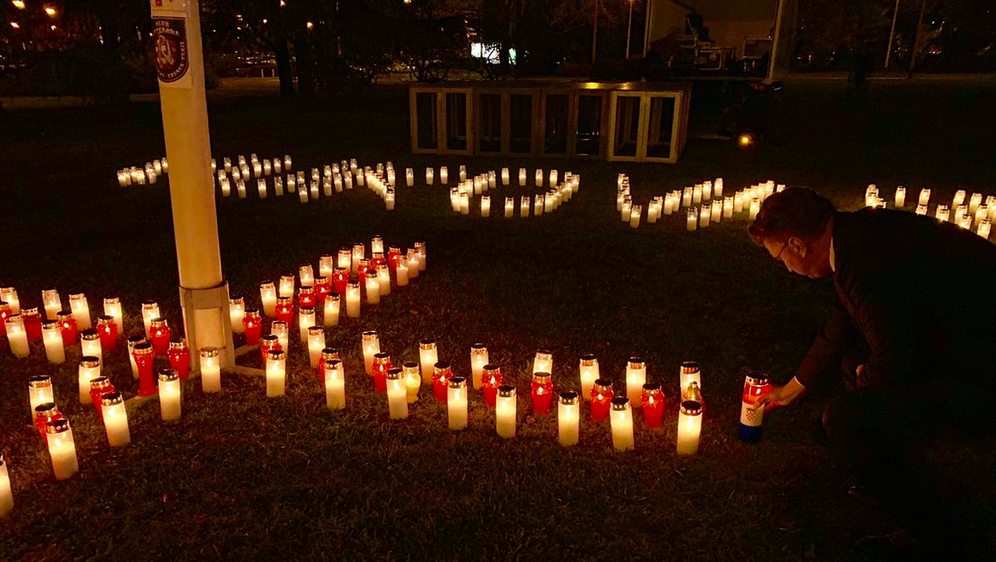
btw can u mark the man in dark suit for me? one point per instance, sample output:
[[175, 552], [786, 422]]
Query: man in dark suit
[[913, 332]]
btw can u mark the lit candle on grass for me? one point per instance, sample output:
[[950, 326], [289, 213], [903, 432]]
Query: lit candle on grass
[[543, 361], [491, 380], [601, 398], [282, 331], [6, 495], [636, 377], [542, 392], [353, 299], [286, 288], [169, 394], [81, 310], [115, 419], [330, 316], [150, 310], [210, 364], [62, 449], [144, 355], [90, 343], [402, 273], [285, 309], [305, 320], [52, 303], [159, 335], [397, 393], [693, 217], [568, 419], [504, 176], [652, 401], [316, 343], [924, 197], [478, 359], [39, 392], [236, 312], [179, 357], [268, 295], [689, 427], [335, 385], [428, 356], [383, 280], [456, 403], [621, 420], [276, 373], [413, 381], [381, 364], [252, 325], [505, 410], [441, 376], [17, 336], [55, 351], [107, 330], [688, 373], [9, 296], [589, 373], [900, 197]]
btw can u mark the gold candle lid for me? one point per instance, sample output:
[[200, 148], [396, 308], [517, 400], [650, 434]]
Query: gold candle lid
[[569, 398], [620, 403], [57, 426], [90, 362], [691, 408], [458, 382], [111, 399], [395, 373], [169, 375], [39, 381]]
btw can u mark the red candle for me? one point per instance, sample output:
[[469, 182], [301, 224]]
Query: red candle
[[652, 400], [381, 364], [253, 325], [179, 357], [393, 258], [144, 355], [5, 311], [340, 279], [306, 297], [285, 309], [601, 397], [68, 326], [322, 289], [490, 381], [441, 375], [108, 330], [159, 335], [542, 388], [44, 413], [362, 270], [98, 388], [328, 354], [32, 323], [378, 260], [268, 343]]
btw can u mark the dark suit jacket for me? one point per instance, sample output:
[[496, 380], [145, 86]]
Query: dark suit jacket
[[921, 294]]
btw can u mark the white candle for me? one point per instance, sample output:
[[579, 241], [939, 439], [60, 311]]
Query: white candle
[[621, 420], [373, 289], [150, 310], [268, 295], [402, 273], [717, 210], [689, 427], [706, 190], [478, 359], [52, 303], [456, 403], [738, 202], [704, 214], [505, 406], [210, 369], [728, 207], [985, 227], [353, 299], [409, 177], [486, 206], [17, 337], [589, 374], [384, 279], [755, 207], [316, 343], [568, 419], [429, 177], [81, 310], [89, 370], [305, 320], [280, 329], [924, 196], [359, 252], [335, 385], [543, 362], [504, 176], [412, 257], [693, 216], [286, 286], [90, 343], [9, 295], [427, 357], [397, 394], [306, 275], [39, 392], [444, 175], [330, 316], [634, 217], [62, 449], [115, 416], [276, 373], [921, 209], [6, 495], [55, 350], [636, 377], [420, 251], [900, 196], [169, 394], [413, 381], [371, 346], [974, 202], [236, 312], [112, 308]]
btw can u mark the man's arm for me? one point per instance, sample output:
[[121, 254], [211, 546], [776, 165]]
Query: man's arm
[[838, 336]]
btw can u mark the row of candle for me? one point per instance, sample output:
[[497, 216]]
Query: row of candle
[[149, 173], [981, 214], [548, 202], [492, 177], [747, 200]]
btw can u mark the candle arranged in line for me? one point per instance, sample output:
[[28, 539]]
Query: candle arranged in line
[[40, 391], [568, 419], [491, 380], [652, 402], [755, 386], [397, 393], [542, 392], [179, 357], [236, 312], [335, 385], [107, 329], [150, 310], [112, 308], [621, 420], [441, 376], [115, 419], [159, 335], [81, 310], [601, 398], [169, 394], [505, 411], [689, 427], [17, 337], [62, 449], [478, 359], [210, 367], [413, 381], [55, 350], [589, 374], [88, 371], [428, 357], [353, 299], [276, 373], [144, 355], [90, 343], [52, 303], [268, 295], [371, 346], [636, 377], [98, 388], [456, 403], [688, 373], [381, 364]]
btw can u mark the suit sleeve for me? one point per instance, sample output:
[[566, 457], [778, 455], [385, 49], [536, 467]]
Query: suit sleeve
[[838, 336], [898, 340]]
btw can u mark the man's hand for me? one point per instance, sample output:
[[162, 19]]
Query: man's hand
[[781, 395]]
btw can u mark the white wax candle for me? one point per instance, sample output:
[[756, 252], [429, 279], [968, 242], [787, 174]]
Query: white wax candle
[[755, 207], [305, 320], [409, 177], [634, 217], [210, 369], [6, 495], [924, 196], [237, 311], [169, 394], [504, 176], [335, 385], [444, 175], [150, 310], [90, 343], [621, 420], [89, 370], [728, 207], [115, 416], [686, 197], [420, 252], [589, 374], [522, 177], [384, 280], [717, 211], [276, 373], [55, 350], [478, 359], [52, 303], [524, 206], [543, 362], [330, 316], [9, 295], [704, 215], [427, 358], [39, 392], [693, 215], [738, 202], [353, 299], [568, 419], [689, 427], [974, 202], [371, 346], [505, 406], [397, 395], [456, 403], [539, 177], [359, 252], [486, 206], [17, 337], [112, 308], [402, 273], [413, 381], [717, 187], [636, 377], [373, 289], [316, 343], [900, 196], [429, 176], [282, 331], [62, 450], [81, 310], [286, 286], [412, 264], [697, 194]]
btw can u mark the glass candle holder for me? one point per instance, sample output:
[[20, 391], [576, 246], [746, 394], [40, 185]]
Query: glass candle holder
[[81, 310], [88, 371], [9, 296], [306, 275], [285, 309], [428, 356], [456, 403], [340, 279], [621, 420], [67, 324], [542, 392], [478, 359], [169, 394], [62, 449], [267, 344], [383, 279], [636, 377], [32, 323], [441, 376], [335, 385], [491, 380], [306, 297], [268, 296], [397, 393], [17, 337], [6, 494], [568, 419], [282, 331], [45, 413], [381, 364], [420, 251], [5, 312], [323, 288], [371, 346], [316, 343], [393, 258], [236, 312], [252, 325], [359, 252], [411, 262], [210, 366], [132, 342], [328, 354], [52, 303], [40, 391], [688, 373], [543, 361], [505, 408], [159, 335], [179, 357], [99, 386], [353, 299], [589, 374], [756, 385], [90, 343], [330, 316], [144, 355], [150, 310], [305, 320], [107, 328], [602, 394], [276, 373], [55, 351], [652, 400], [413, 381], [115, 419], [689, 427], [286, 288], [326, 265], [344, 259]]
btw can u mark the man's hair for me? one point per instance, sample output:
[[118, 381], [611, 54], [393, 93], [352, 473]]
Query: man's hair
[[796, 212]]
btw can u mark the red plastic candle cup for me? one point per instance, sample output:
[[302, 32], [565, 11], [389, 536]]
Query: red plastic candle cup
[[179, 358], [322, 289], [253, 324], [393, 258], [601, 398], [68, 326], [144, 355], [378, 260], [108, 330], [32, 323], [652, 400], [159, 335], [268, 343], [45, 413], [100, 386], [285, 309], [381, 364], [340, 279], [542, 390], [328, 354], [306, 297], [5, 311], [365, 268], [490, 381], [441, 375]]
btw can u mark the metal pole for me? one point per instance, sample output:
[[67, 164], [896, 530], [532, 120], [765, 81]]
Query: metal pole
[[646, 26], [774, 41], [892, 34], [916, 37], [594, 34], [629, 30]]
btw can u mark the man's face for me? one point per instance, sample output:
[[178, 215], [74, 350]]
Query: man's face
[[799, 257]]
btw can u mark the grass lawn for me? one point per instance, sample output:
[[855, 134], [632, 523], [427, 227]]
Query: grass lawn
[[246, 477]]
